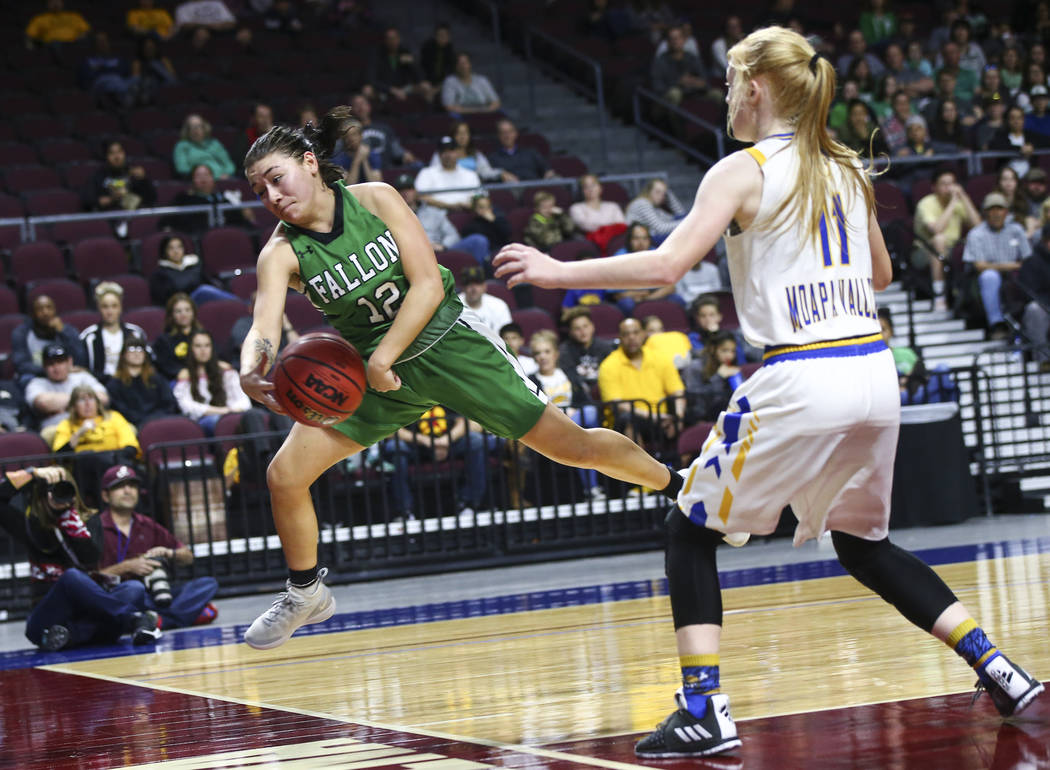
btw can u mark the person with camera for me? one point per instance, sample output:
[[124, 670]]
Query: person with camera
[[136, 549], [42, 509]]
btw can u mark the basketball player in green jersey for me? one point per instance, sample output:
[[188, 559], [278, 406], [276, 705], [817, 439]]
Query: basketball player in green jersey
[[362, 257]]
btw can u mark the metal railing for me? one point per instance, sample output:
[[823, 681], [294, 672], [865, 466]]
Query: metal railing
[[644, 125], [534, 36]]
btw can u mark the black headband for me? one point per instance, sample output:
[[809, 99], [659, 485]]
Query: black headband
[[813, 63]]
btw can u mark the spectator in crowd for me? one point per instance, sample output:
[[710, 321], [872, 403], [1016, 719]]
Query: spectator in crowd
[[380, 137], [135, 548], [650, 17], [940, 218], [394, 73], [259, 122], [493, 311], [567, 392], [894, 127], [1010, 69], [306, 113], [488, 223], [172, 347], [437, 55], [56, 25], [147, 20], [904, 358], [518, 163], [860, 134], [208, 387], [702, 278], [136, 390], [658, 208], [1035, 77], [49, 396], [857, 48], [918, 72], [711, 378], [990, 85], [706, 315], [549, 225], [1038, 120], [107, 75], [586, 298], [995, 247], [677, 74], [449, 176], [354, 155], [178, 271], [283, 17], [599, 220], [439, 435], [993, 121], [860, 73], [638, 238], [877, 23], [1017, 204], [203, 191], [439, 230], [465, 92], [151, 71], [41, 508], [971, 57], [732, 33], [197, 146], [470, 157], [599, 20], [240, 328], [211, 15], [117, 186], [1035, 190], [674, 344], [14, 412], [645, 384], [947, 127], [882, 102], [514, 338], [44, 327], [1035, 277], [1014, 138], [582, 353], [104, 341]]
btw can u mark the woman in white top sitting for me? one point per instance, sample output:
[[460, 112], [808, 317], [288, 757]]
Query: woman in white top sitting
[[657, 208], [470, 157], [105, 340], [464, 92], [592, 212], [209, 387]]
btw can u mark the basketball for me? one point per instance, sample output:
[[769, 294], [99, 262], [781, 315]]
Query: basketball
[[319, 379]]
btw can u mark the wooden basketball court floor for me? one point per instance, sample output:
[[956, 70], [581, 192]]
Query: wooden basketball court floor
[[820, 673]]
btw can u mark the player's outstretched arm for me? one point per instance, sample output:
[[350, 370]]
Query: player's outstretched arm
[[730, 190], [277, 267]]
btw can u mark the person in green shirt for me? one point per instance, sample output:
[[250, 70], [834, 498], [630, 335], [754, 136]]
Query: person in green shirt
[[361, 255], [196, 146]]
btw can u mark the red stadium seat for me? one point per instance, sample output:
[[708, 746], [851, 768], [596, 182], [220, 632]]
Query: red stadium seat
[[574, 249], [150, 318], [532, 319], [301, 312], [606, 318], [99, 258], [67, 294], [218, 316], [226, 249], [671, 313], [692, 439], [136, 289], [36, 261]]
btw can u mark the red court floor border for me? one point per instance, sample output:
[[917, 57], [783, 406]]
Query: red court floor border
[[49, 719]]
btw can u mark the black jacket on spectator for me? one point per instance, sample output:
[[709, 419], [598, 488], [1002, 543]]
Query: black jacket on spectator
[[26, 367], [497, 231], [140, 401], [1035, 274], [170, 278], [523, 162], [101, 183], [171, 352], [197, 224], [583, 362]]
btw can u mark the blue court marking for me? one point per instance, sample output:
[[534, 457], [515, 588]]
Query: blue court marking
[[525, 602]]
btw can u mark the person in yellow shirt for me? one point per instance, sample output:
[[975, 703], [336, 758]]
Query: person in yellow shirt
[[941, 218], [674, 344], [56, 25], [147, 19], [645, 384]]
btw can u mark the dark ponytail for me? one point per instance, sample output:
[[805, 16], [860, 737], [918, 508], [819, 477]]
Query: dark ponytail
[[295, 142]]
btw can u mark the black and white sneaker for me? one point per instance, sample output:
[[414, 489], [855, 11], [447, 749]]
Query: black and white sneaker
[[54, 638], [683, 735], [1010, 686], [146, 629]]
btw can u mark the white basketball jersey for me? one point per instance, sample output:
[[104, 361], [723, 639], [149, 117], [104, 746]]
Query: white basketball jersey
[[790, 290]]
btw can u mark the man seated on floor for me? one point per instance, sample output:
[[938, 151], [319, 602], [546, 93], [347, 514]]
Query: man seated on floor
[[135, 547]]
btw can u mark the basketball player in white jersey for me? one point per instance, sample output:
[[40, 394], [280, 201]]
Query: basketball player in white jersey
[[816, 427]]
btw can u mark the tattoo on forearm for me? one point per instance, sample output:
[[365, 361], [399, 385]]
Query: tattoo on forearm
[[264, 354]]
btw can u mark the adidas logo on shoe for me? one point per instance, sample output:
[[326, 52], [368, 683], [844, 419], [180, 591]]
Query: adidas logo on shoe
[[1009, 686], [684, 735]]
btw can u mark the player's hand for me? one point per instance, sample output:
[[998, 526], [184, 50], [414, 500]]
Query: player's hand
[[519, 264], [382, 378], [260, 389]]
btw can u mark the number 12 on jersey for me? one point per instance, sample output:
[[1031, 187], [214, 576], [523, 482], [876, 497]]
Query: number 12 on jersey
[[838, 216]]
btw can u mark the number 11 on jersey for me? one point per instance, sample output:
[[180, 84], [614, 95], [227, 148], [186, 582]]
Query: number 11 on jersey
[[838, 215]]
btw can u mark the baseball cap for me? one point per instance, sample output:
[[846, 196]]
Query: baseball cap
[[472, 275], [1035, 174], [994, 199], [55, 351], [118, 474], [405, 182], [1039, 91], [448, 143]]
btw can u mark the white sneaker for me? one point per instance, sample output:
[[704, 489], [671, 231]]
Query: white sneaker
[[294, 608], [940, 303], [597, 494]]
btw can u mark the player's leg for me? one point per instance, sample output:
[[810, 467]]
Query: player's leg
[[559, 438], [920, 595], [306, 453], [701, 725]]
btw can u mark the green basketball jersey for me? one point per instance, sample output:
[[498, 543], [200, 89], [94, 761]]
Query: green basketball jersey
[[354, 276]]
